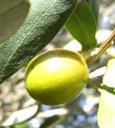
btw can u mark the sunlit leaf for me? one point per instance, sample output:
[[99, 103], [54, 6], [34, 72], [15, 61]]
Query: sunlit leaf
[[109, 77], [106, 112], [82, 25], [23, 125], [94, 4], [44, 20], [20, 116]]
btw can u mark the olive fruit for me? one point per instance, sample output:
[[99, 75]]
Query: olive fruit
[[56, 77]]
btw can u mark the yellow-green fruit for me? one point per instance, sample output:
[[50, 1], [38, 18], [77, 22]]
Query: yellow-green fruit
[[56, 77]]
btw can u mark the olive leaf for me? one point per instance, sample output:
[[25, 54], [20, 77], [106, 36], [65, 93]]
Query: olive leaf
[[109, 77], [106, 112], [82, 25], [20, 116], [94, 5], [44, 20], [7, 5], [12, 14]]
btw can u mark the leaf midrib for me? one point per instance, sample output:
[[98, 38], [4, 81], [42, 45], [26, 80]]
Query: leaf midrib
[[27, 35], [78, 19]]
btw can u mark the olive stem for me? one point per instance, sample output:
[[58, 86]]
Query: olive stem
[[95, 84], [103, 47]]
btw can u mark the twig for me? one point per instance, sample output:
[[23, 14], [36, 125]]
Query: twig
[[103, 47]]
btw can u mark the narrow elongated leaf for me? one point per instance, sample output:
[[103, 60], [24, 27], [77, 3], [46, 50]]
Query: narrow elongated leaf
[[106, 112], [44, 20], [6, 5], [109, 77], [94, 4], [82, 25], [12, 17], [21, 116]]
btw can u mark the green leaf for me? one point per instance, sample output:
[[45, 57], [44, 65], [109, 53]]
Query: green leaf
[[94, 5], [109, 77], [82, 25], [12, 14], [23, 125], [106, 112], [44, 20], [7, 5]]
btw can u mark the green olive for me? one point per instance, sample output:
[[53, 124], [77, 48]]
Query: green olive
[[56, 77]]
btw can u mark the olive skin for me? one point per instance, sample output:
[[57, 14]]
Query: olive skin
[[56, 77]]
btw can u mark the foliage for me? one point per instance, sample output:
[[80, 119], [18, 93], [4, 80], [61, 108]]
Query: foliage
[[35, 32], [38, 25], [79, 27]]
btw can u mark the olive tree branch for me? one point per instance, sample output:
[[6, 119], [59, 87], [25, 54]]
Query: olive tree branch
[[103, 47]]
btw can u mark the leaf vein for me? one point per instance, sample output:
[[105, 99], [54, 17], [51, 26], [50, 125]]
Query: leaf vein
[[27, 34], [82, 27]]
